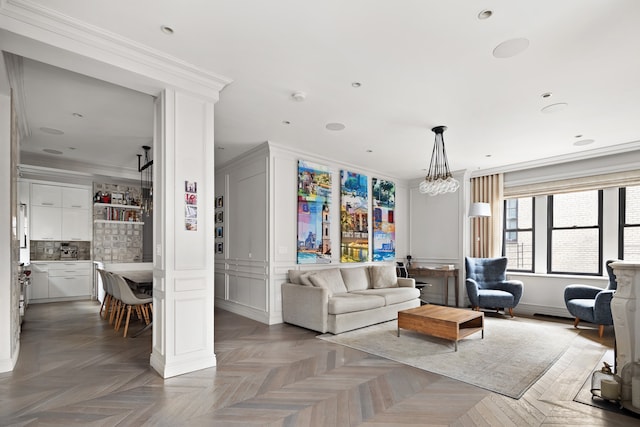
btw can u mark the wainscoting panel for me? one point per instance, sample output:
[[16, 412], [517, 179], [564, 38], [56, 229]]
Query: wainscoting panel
[[190, 326]]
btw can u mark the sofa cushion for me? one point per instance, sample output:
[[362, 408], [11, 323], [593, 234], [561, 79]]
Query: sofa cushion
[[356, 278], [300, 277], [383, 276], [392, 295], [349, 302], [330, 279]]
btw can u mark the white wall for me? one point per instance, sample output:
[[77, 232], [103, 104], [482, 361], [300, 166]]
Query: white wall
[[9, 328], [437, 234], [260, 207]]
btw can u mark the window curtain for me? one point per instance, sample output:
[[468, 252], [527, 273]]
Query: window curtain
[[571, 185], [486, 232]]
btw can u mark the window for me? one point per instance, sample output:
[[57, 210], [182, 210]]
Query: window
[[629, 235], [518, 233], [574, 238]]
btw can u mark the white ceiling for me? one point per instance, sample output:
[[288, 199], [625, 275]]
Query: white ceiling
[[421, 63]]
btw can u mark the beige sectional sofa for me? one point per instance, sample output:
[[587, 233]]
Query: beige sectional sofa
[[341, 299]]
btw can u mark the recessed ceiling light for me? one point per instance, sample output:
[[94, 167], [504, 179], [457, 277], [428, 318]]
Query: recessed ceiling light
[[485, 14], [166, 29], [553, 108], [335, 126], [487, 155], [220, 148], [510, 48], [50, 151], [298, 96], [369, 151], [72, 148], [583, 142], [578, 136], [356, 84], [547, 95], [286, 122], [78, 115], [52, 131]]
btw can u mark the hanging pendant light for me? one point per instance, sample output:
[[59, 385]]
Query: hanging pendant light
[[439, 179], [146, 179]]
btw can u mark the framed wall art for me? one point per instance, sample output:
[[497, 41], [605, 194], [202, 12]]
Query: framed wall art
[[314, 194]]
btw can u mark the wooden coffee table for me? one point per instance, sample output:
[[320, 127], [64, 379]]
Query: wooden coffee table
[[443, 322]]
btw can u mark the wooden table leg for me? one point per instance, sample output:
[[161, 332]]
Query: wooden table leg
[[446, 290], [457, 290]]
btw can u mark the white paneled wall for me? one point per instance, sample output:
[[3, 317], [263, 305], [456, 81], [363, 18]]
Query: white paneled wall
[[260, 227]]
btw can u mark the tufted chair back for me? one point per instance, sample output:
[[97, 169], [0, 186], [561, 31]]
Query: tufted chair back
[[486, 271]]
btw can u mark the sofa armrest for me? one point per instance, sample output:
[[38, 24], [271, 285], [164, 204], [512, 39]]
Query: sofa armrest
[[306, 306], [406, 282]]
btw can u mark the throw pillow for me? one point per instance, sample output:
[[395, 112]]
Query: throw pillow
[[355, 278], [330, 279], [320, 282], [383, 276], [294, 276], [299, 277], [304, 278]]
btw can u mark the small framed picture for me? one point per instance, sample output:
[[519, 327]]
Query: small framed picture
[[219, 202], [219, 232], [117, 198], [220, 216], [190, 187], [219, 248]]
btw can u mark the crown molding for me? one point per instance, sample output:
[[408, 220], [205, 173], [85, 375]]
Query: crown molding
[[35, 22], [565, 158], [32, 163]]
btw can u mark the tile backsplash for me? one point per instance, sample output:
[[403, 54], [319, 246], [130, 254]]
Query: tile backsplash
[[49, 250]]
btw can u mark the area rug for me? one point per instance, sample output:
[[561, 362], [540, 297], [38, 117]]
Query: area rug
[[513, 355]]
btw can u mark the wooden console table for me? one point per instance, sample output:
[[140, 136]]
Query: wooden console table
[[442, 273]]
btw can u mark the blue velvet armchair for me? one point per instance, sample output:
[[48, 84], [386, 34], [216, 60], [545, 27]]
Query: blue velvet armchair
[[487, 284], [590, 303]]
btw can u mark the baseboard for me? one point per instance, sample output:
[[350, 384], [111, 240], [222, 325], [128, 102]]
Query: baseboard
[[252, 313], [7, 365], [183, 367], [532, 309]]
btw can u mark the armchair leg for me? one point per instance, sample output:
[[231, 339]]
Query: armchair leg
[[600, 330], [511, 311], [575, 322]]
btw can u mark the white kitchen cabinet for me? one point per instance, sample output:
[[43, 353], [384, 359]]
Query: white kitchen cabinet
[[75, 198], [76, 224], [55, 280], [69, 279], [60, 213], [46, 195], [46, 223], [39, 287]]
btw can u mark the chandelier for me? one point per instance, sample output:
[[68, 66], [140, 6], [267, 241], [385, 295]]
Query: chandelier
[[146, 180], [439, 179]]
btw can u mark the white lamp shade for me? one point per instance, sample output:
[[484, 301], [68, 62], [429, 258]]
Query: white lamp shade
[[479, 209]]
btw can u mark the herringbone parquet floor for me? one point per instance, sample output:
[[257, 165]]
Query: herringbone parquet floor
[[74, 370]]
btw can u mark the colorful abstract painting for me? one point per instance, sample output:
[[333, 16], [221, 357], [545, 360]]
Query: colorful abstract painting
[[384, 227], [314, 197], [354, 217]]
